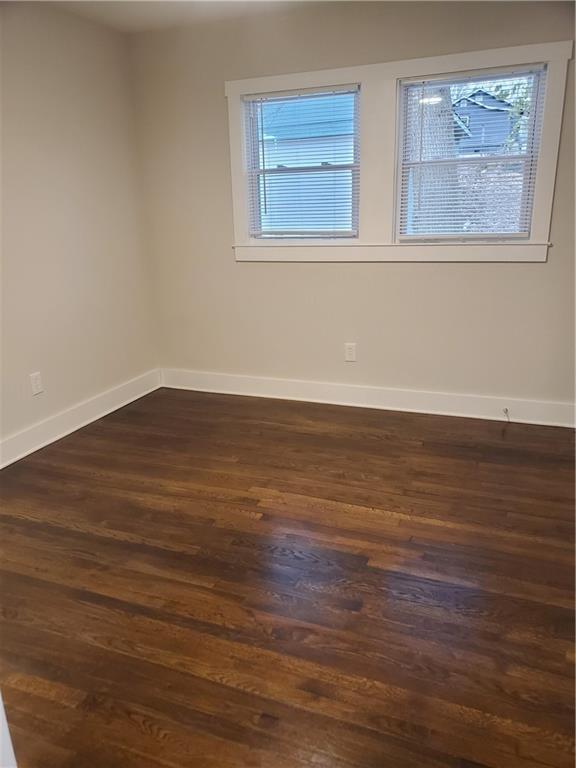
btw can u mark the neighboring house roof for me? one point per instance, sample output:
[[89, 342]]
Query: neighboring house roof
[[479, 91], [461, 124], [470, 100], [476, 98]]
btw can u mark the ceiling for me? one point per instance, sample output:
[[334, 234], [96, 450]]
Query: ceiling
[[139, 15]]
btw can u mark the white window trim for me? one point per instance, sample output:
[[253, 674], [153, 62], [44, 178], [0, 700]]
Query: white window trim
[[378, 134], [446, 238]]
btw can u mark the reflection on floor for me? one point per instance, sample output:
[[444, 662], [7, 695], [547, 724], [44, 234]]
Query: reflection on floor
[[219, 581]]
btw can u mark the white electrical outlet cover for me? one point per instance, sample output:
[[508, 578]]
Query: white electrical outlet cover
[[36, 383]]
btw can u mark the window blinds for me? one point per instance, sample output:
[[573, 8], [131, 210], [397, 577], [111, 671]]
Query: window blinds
[[469, 149], [301, 152]]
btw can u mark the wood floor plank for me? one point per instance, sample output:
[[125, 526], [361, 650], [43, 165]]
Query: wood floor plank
[[209, 580]]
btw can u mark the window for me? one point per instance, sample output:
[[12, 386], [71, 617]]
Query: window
[[469, 152], [444, 159], [302, 161]]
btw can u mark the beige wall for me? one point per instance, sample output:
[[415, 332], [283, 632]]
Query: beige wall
[[496, 329], [75, 286], [82, 304]]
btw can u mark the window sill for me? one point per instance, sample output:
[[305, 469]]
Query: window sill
[[398, 252]]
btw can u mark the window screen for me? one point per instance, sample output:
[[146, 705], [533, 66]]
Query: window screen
[[302, 162], [468, 155]]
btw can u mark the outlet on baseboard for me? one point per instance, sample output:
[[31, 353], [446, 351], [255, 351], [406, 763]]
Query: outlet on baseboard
[[350, 351], [36, 383]]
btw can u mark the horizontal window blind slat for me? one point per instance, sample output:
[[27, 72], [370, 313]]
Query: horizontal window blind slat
[[468, 154], [302, 163], [466, 160], [304, 169]]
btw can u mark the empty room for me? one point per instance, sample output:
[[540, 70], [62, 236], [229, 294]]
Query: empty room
[[287, 384]]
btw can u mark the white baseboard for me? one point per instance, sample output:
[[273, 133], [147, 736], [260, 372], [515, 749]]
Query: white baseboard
[[20, 444], [419, 401], [7, 759]]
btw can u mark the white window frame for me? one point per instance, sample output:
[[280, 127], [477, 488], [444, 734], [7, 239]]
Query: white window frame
[[354, 166], [379, 132], [446, 237]]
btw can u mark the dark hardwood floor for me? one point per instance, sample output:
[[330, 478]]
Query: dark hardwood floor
[[215, 581]]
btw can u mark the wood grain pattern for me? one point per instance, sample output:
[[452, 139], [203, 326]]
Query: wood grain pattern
[[218, 581]]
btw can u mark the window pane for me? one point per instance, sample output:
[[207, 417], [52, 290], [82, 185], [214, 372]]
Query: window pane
[[469, 155], [308, 131], [320, 202], [302, 157], [463, 199]]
